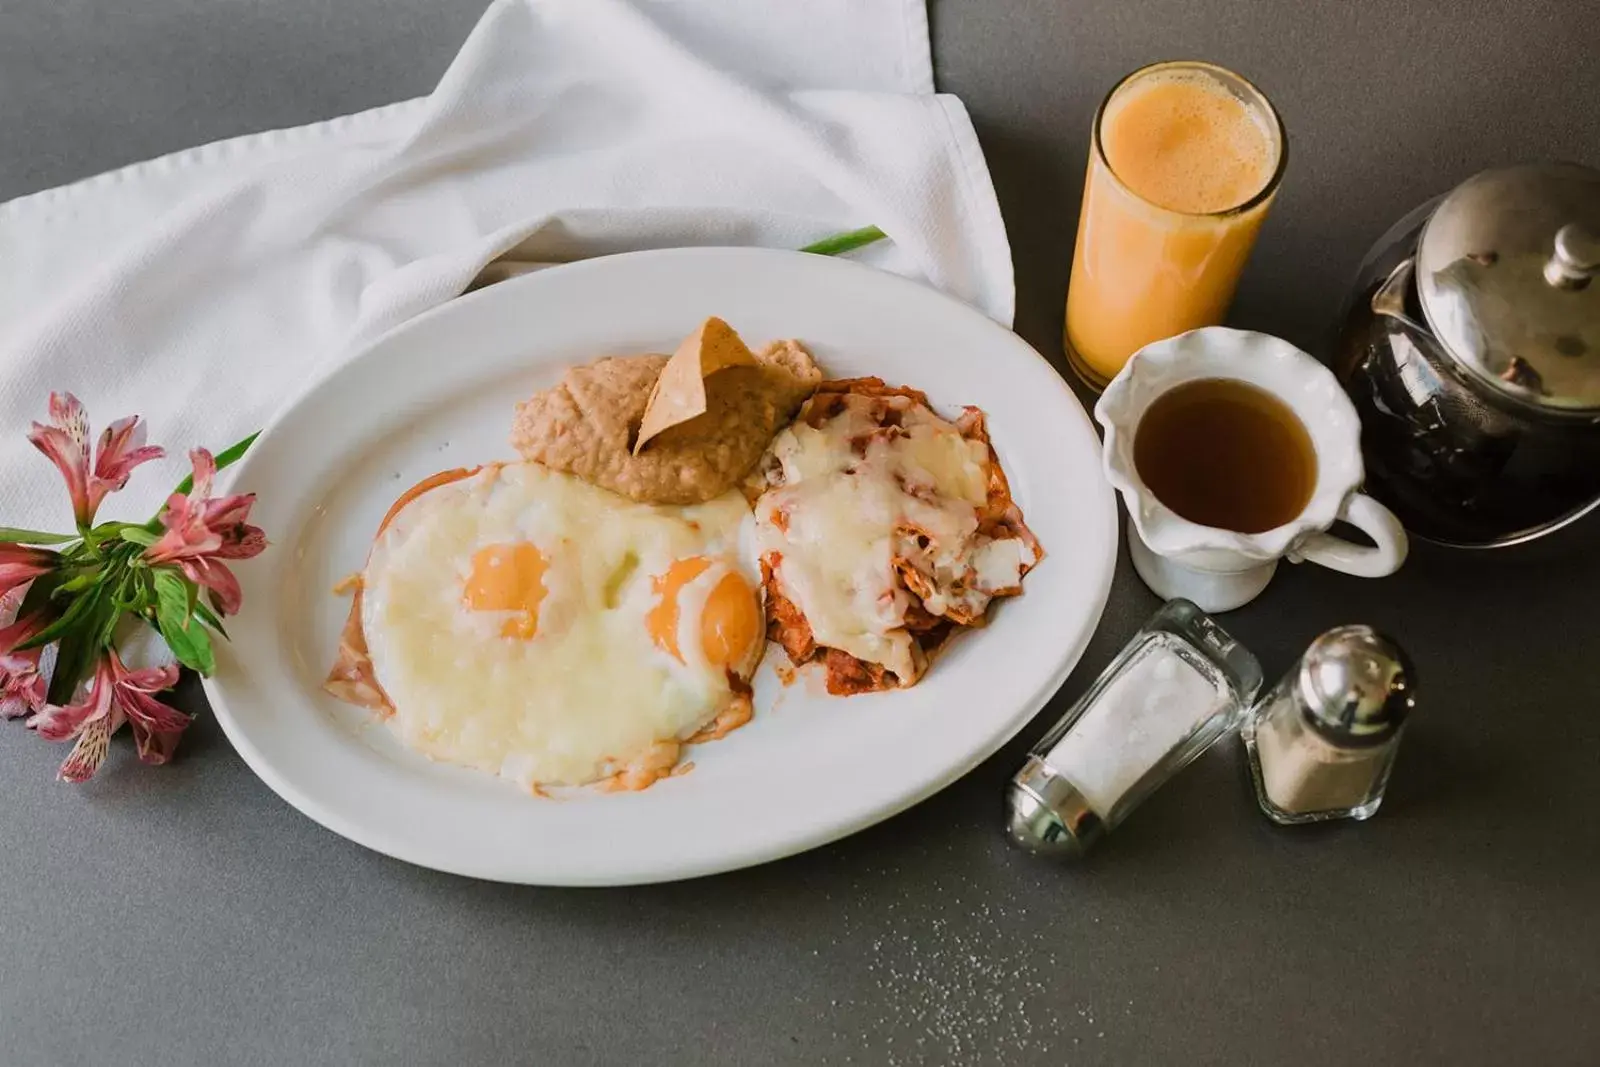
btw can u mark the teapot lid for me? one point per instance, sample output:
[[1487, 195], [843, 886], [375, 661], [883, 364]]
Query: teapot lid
[[1508, 273]]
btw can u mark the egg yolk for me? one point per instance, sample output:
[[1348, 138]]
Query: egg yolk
[[729, 624], [508, 577]]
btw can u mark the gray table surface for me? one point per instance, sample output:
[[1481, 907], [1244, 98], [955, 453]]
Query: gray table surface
[[192, 917]]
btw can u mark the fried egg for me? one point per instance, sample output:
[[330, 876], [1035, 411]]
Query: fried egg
[[528, 624]]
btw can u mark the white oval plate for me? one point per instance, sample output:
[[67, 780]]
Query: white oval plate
[[439, 392]]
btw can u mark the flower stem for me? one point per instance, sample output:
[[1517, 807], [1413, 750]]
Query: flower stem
[[841, 243]]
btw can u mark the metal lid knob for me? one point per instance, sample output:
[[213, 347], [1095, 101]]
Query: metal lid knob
[[1576, 258], [1357, 685]]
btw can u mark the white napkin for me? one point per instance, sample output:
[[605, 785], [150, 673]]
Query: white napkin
[[203, 290]]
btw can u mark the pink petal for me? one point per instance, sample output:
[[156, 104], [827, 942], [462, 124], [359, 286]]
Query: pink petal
[[19, 631], [224, 511], [58, 723], [66, 443], [250, 543], [22, 687], [200, 533], [145, 679], [23, 696], [66, 413], [14, 574], [13, 553], [178, 508], [121, 449], [11, 603], [156, 726], [205, 469], [188, 533], [26, 557], [90, 751], [20, 565], [245, 542], [148, 713], [156, 747], [184, 539], [215, 576]]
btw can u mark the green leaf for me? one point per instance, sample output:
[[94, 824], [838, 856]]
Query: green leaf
[[191, 646], [106, 531], [841, 243], [136, 592], [126, 593], [84, 579], [140, 535], [81, 644], [74, 656], [39, 593], [77, 611], [12, 536], [189, 641], [109, 617], [209, 617], [172, 595]]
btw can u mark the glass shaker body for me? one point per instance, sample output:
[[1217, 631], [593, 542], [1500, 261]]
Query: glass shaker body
[[1180, 685], [1322, 742], [1302, 776]]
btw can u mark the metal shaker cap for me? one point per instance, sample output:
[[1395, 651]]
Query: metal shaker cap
[[1357, 685], [1047, 814], [1506, 273]]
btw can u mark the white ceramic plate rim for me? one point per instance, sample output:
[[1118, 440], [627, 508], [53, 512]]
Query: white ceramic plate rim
[[246, 704]]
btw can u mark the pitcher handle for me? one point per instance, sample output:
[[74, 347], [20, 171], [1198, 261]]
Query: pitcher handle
[[1378, 523]]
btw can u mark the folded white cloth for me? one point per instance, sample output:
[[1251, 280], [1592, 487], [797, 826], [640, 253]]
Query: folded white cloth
[[204, 289]]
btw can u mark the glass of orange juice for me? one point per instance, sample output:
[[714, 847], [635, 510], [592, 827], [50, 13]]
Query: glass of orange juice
[[1185, 162]]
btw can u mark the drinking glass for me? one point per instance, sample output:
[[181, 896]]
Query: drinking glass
[[1142, 272]]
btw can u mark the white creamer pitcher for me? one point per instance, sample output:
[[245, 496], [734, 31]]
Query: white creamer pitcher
[[1223, 569]]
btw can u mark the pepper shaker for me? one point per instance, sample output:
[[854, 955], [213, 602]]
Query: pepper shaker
[[1322, 741], [1179, 686]]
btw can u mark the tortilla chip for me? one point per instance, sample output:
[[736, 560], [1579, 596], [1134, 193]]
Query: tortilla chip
[[680, 393]]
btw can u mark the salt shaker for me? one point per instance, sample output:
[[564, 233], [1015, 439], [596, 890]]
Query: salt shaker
[[1178, 687], [1322, 742]]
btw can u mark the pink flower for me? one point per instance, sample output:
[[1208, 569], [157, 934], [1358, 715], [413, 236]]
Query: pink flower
[[66, 442], [22, 687], [20, 564], [202, 532], [115, 695]]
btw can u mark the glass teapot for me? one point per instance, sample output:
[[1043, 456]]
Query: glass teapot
[[1471, 348]]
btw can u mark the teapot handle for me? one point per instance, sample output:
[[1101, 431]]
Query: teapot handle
[[1373, 519]]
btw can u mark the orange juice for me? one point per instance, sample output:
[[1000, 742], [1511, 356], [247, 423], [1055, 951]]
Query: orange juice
[[1185, 162]]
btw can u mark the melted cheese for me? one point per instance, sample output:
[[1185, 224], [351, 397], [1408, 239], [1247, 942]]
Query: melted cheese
[[845, 494]]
